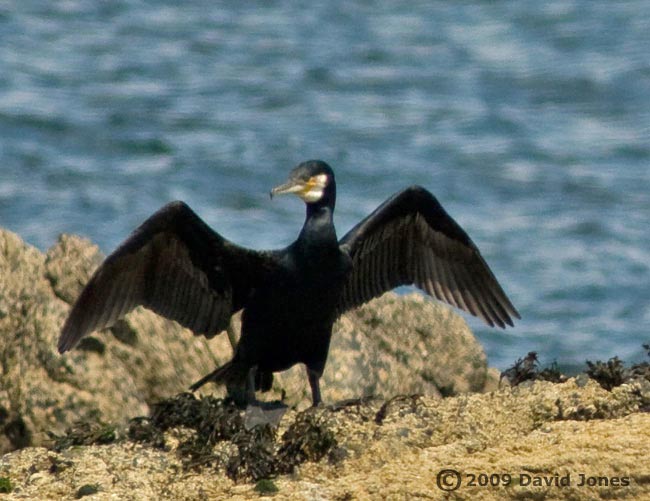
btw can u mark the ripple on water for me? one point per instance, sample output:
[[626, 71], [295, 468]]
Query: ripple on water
[[528, 120]]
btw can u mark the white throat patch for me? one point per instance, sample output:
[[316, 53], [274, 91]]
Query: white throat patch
[[312, 195], [314, 188]]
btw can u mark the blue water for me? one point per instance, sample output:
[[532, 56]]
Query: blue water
[[529, 120]]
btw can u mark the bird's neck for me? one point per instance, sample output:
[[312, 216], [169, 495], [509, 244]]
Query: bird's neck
[[319, 228]]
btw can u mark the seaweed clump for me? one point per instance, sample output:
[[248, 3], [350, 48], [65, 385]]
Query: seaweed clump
[[211, 432], [218, 435], [309, 438], [527, 369], [614, 373], [215, 436], [608, 374]]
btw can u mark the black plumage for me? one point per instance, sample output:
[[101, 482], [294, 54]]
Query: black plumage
[[175, 265]]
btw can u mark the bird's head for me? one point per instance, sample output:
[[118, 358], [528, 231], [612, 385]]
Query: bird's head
[[313, 181]]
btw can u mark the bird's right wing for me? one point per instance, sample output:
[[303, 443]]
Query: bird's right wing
[[410, 239], [175, 265]]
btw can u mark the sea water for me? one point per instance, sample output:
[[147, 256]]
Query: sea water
[[530, 121]]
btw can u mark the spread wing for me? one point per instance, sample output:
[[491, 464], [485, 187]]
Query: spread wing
[[175, 265], [410, 239]]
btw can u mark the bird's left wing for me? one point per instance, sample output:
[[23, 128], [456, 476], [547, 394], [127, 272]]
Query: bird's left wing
[[410, 239], [175, 265]]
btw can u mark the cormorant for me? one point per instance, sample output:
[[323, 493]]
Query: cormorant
[[175, 265]]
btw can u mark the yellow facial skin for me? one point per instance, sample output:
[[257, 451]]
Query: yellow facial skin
[[310, 191]]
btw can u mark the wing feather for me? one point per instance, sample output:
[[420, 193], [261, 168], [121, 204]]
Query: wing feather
[[474, 305], [410, 239], [445, 282], [175, 265], [456, 289]]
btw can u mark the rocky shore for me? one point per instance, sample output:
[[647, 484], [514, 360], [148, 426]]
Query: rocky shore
[[411, 402]]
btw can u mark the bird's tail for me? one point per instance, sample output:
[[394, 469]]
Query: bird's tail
[[228, 374]]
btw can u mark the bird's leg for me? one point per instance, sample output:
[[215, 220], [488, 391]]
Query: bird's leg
[[250, 385], [263, 381], [314, 382]]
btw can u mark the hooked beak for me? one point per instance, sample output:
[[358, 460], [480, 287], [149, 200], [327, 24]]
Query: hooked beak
[[310, 190], [291, 186]]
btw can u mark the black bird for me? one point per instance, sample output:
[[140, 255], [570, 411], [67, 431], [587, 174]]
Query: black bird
[[175, 265]]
